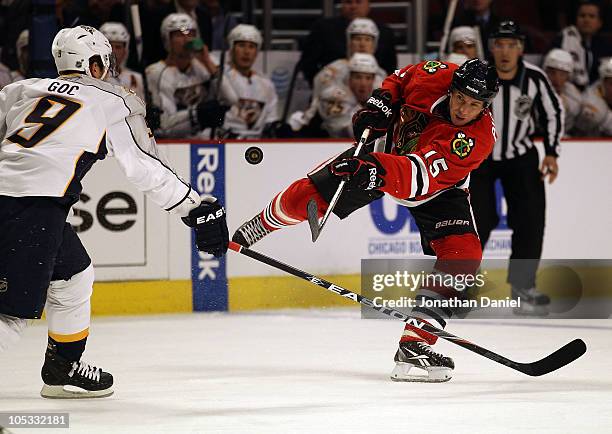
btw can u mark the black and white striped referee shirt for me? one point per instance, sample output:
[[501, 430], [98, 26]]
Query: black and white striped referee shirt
[[523, 105]]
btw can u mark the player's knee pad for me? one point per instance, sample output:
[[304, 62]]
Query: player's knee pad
[[10, 330], [458, 247], [68, 306], [294, 200]]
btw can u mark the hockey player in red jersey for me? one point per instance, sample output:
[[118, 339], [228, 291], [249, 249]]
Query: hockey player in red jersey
[[439, 129]]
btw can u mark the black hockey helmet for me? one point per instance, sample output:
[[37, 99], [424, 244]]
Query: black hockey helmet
[[478, 79], [507, 29]]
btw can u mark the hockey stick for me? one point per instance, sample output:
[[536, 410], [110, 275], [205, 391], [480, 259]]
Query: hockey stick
[[311, 208], [450, 14], [563, 356]]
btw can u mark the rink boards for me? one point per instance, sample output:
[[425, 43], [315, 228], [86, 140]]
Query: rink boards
[[145, 262]]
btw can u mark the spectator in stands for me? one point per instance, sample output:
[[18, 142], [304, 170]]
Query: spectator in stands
[[152, 17], [327, 40], [462, 40], [331, 111], [596, 116], [362, 37], [5, 76], [17, 18], [21, 47], [584, 43], [179, 83], [92, 12], [558, 65], [252, 96], [478, 13], [218, 18], [119, 38]]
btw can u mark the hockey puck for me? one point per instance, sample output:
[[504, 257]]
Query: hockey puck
[[253, 155]]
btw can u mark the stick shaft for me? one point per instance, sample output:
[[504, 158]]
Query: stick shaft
[[554, 361], [336, 196]]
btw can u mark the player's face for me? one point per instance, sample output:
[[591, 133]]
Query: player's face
[[120, 51], [464, 108], [361, 84], [587, 19], [466, 48], [244, 54], [557, 78], [506, 52], [179, 39], [362, 44], [352, 9]]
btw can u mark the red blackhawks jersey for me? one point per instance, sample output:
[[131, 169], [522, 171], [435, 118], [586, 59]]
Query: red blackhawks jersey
[[430, 154]]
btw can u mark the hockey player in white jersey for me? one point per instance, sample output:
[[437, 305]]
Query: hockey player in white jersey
[[361, 37], [335, 105], [179, 84], [254, 98], [52, 131], [119, 38], [596, 116], [559, 65]]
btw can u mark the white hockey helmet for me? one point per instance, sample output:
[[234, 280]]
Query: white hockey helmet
[[463, 34], [362, 62], [22, 41], [175, 22], [559, 59], [244, 32], [72, 49], [116, 32], [362, 26], [605, 68]]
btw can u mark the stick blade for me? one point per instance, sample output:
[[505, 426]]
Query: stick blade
[[563, 356], [313, 219]]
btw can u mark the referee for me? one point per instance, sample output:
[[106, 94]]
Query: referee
[[525, 104]]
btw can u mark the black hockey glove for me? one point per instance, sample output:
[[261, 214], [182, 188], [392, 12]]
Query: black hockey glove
[[211, 114], [376, 114], [208, 221], [362, 173]]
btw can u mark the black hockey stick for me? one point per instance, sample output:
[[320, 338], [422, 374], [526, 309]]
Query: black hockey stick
[[311, 208], [563, 356]]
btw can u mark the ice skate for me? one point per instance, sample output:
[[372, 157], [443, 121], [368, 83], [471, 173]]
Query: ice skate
[[415, 361], [73, 380], [532, 302], [250, 232]]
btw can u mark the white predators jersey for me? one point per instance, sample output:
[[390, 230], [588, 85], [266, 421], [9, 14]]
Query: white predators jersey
[[337, 73], [596, 117], [255, 103], [175, 93], [131, 80], [572, 102], [53, 130]]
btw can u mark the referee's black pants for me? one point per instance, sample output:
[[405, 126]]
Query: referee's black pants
[[523, 188]]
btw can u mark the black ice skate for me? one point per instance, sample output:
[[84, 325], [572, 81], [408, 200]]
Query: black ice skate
[[431, 367], [250, 232], [532, 302], [65, 379]]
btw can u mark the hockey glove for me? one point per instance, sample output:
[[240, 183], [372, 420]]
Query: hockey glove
[[363, 173], [376, 114], [208, 221], [211, 114]]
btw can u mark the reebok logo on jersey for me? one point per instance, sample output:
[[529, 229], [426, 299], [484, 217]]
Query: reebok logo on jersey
[[452, 223], [380, 105], [212, 216], [373, 177]]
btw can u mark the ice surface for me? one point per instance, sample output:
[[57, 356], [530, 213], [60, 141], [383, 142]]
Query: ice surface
[[317, 372]]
